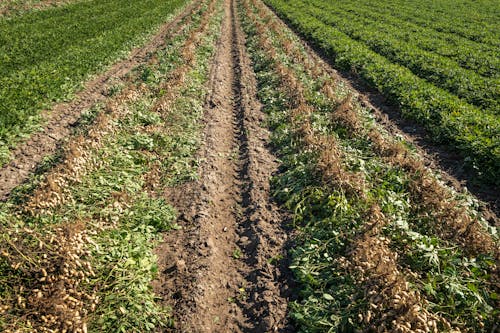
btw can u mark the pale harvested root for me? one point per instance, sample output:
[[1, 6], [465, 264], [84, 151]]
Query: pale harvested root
[[56, 268], [453, 220], [29, 154], [60, 261], [393, 305], [78, 161], [57, 302], [330, 165], [178, 76], [55, 190]]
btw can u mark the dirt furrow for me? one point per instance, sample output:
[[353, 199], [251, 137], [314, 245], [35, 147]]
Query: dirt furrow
[[204, 276], [270, 278], [223, 269], [62, 117]]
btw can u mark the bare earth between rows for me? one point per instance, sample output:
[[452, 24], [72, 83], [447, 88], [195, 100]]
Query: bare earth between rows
[[210, 286]]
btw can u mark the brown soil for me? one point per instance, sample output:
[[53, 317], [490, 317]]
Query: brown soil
[[61, 119], [222, 271]]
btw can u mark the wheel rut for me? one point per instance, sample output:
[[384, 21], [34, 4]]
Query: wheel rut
[[223, 270]]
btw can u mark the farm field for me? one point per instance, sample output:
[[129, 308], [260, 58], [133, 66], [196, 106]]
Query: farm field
[[442, 74], [224, 177], [46, 55], [18, 7]]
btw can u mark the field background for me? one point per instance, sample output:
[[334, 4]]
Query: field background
[[196, 166], [437, 60], [46, 55]]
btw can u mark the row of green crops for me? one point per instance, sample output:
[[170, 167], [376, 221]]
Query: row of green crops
[[446, 73], [127, 153], [478, 20], [469, 54], [46, 55], [473, 131], [457, 286]]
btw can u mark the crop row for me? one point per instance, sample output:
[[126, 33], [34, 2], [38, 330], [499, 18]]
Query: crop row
[[478, 20], [19, 7], [382, 243], [77, 243], [46, 55], [482, 58], [439, 70], [474, 132]]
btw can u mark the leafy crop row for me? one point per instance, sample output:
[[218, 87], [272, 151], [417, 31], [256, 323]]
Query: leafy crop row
[[441, 71], [478, 19], [109, 187], [372, 252], [46, 55], [471, 130], [19, 7], [482, 58]]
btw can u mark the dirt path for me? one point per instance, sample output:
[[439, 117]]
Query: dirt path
[[62, 117], [222, 270]]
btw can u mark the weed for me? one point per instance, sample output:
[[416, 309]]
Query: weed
[[237, 253]]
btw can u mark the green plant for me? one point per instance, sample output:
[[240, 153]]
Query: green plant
[[336, 288]]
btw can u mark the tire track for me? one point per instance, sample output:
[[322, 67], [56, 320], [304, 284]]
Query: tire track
[[270, 278], [223, 271]]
